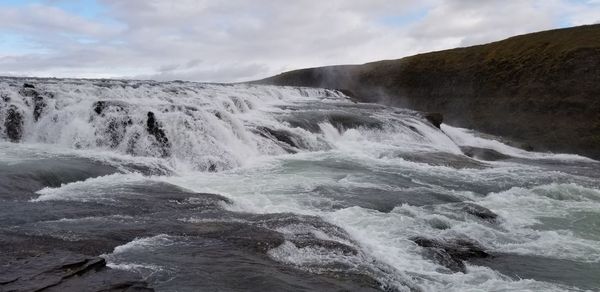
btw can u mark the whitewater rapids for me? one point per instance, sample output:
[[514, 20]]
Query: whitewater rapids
[[230, 187]]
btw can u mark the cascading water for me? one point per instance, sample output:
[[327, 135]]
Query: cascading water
[[289, 188]]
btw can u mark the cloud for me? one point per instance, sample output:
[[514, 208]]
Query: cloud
[[242, 40]]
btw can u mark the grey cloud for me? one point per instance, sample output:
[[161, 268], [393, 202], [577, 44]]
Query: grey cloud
[[239, 40]]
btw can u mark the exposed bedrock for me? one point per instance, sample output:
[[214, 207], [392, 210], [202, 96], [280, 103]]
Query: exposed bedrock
[[540, 90], [451, 253], [66, 271], [13, 124], [38, 99], [154, 128]]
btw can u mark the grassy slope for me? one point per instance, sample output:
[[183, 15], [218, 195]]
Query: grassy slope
[[542, 89]]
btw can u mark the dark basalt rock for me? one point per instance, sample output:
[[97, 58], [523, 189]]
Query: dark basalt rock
[[13, 124], [480, 212], [28, 90], [212, 168], [451, 253], [483, 153], [101, 106], [38, 107], [65, 271], [435, 119], [279, 135], [154, 128]]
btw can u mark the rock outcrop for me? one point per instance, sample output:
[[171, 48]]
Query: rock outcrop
[[63, 271], [451, 253]]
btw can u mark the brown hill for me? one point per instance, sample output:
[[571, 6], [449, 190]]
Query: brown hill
[[541, 89]]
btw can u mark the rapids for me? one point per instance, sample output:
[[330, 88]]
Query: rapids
[[247, 187]]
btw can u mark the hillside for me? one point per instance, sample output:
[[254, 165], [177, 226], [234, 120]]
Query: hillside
[[540, 89]]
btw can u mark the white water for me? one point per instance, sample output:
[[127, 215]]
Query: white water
[[220, 126]]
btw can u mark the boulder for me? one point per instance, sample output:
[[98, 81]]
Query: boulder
[[451, 253], [480, 212]]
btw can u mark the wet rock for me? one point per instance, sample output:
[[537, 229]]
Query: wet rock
[[212, 168], [13, 124], [256, 239], [154, 128], [38, 107], [451, 253], [483, 153], [480, 212], [113, 129], [102, 106], [66, 271], [280, 135], [28, 90], [99, 106], [435, 119]]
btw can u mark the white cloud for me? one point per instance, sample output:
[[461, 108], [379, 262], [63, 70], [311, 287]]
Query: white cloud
[[242, 40]]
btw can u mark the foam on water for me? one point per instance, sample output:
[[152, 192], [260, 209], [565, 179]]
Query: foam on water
[[97, 189], [379, 179]]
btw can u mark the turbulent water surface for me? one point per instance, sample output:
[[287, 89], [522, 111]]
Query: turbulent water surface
[[189, 187]]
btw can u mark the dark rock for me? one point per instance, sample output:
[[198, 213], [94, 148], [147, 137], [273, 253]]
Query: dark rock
[[14, 124], [451, 253], [212, 168], [39, 104], [154, 128], [279, 135], [479, 211], [435, 119], [483, 153], [38, 107], [99, 106], [66, 271]]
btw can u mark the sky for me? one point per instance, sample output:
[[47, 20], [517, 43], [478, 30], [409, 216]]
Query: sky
[[240, 40]]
